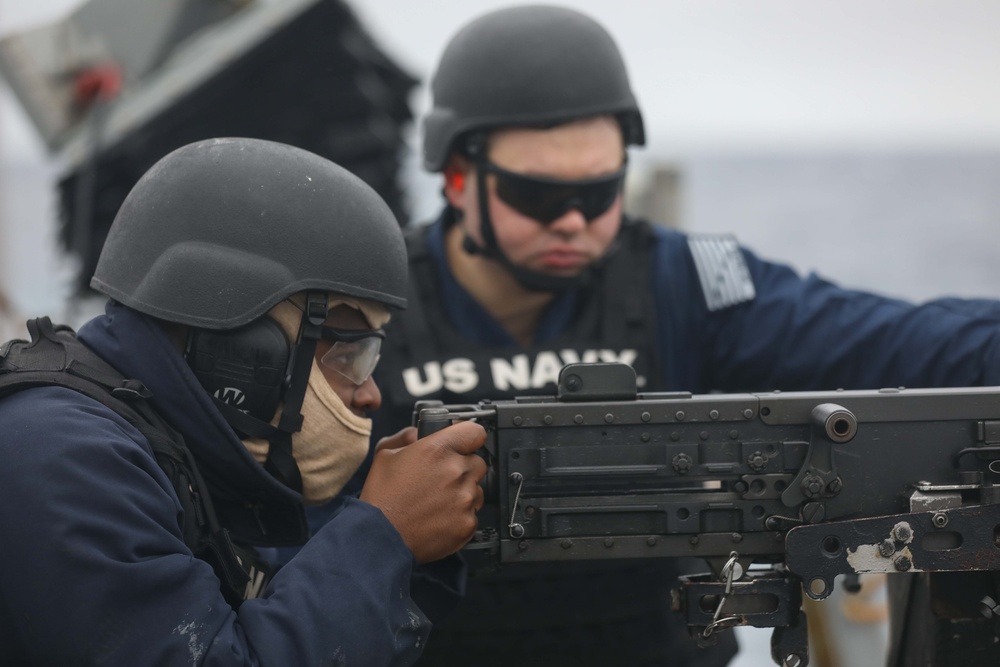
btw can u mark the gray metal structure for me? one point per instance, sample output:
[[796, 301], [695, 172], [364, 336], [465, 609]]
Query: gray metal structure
[[301, 72]]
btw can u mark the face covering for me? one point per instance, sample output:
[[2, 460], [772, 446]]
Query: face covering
[[333, 441]]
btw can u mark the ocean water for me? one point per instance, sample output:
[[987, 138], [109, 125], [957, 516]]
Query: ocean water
[[909, 225]]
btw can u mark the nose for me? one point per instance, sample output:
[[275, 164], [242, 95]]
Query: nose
[[366, 397], [569, 223]]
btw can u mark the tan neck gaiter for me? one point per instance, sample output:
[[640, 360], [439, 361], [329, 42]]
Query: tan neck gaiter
[[333, 441]]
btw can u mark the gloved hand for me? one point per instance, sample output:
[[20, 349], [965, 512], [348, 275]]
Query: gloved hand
[[429, 488]]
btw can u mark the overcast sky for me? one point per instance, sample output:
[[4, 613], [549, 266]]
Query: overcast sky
[[721, 75], [712, 77]]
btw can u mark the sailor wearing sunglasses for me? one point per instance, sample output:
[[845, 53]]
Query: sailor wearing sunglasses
[[533, 264]]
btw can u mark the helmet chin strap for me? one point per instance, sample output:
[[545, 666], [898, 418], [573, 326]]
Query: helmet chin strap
[[280, 460], [533, 280]]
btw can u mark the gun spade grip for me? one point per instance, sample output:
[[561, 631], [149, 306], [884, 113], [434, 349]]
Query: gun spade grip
[[432, 420]]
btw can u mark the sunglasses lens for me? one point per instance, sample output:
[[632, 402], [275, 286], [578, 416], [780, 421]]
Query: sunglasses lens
[[355, 360], [547, 200]]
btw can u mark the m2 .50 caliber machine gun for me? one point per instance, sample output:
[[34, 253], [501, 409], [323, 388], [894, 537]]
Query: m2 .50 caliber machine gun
[[803, 486]]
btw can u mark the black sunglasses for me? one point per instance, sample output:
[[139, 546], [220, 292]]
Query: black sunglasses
[[548, 199]]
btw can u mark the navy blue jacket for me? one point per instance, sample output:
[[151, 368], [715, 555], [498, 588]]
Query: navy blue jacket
[[94, 570]]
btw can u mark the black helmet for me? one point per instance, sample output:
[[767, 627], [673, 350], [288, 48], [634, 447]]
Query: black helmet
[[526, 66], [219, 231]]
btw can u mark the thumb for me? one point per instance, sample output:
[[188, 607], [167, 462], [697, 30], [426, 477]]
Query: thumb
[[463, 437]]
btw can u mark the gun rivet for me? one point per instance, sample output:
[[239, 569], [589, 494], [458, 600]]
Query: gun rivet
[[748, 413], [578, 419], [675, 436], [609, 418], [609, 542], [902, 533], [703, 435], [812, 486], [547, 420], [940, 520], [523, 545], [645, 416], [902, 563], [886, 548], [714, 414], [679, 415], [517, 421], [651, 540], [694, 539], [734, 434], [682, 463], [644, 437], [737, 537], [566, 544]]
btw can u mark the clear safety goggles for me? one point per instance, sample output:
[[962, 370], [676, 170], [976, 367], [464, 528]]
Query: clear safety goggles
[[354, 354]]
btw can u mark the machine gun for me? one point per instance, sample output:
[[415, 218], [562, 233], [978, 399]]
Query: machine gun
[[778, 492]]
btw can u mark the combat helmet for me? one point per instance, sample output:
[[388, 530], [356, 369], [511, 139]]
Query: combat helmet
[[530, 65], [219, 231]]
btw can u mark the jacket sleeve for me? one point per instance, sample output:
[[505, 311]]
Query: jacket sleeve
[[95, 570], [804, 333]]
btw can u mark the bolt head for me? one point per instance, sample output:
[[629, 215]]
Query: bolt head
[[886, 548], [812, 486], [757, 461]]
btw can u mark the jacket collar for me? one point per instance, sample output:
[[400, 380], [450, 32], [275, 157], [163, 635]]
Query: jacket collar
[[251, 503]]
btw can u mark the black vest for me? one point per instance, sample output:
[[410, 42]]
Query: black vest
[[425, 358]]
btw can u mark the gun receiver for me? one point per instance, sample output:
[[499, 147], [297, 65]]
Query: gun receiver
[[805, 486]]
